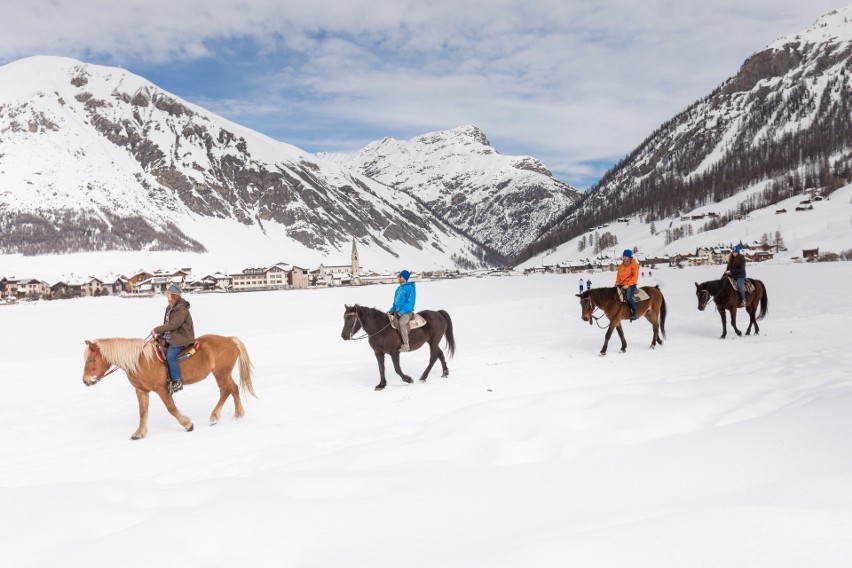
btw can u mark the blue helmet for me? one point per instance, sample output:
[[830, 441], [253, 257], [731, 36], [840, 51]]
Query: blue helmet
[[405, 274], [628, 253]]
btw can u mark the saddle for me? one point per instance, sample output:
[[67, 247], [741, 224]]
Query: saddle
[[748, 285], [414, 323], [162, 346], [639, 296]]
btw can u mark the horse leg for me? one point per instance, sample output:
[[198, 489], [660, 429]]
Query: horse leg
[[734, 321], [172, 408], [227, 387], [140, 432], [751, 309], [608, 334], [620, 331], [380, 357], [655, 325], [433, 356], [395, 359], [724, 323], [446, 370]]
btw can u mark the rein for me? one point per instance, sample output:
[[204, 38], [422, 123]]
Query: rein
[[113, 368], [593, 307], [357, 320]]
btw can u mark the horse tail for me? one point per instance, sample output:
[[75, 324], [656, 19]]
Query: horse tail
[[245, 367], [764, 301], [663, 311], [451, 341]]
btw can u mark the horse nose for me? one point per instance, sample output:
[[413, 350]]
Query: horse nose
[[345, 336], [585, 318]]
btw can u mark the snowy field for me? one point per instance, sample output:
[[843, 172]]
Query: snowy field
[[534, 452]]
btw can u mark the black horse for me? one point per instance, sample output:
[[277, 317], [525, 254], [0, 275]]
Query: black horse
[[727, 297], [386, 340]]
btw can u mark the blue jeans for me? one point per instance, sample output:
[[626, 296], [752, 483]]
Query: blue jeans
[[741, 287], [628, 294], [172, 360]]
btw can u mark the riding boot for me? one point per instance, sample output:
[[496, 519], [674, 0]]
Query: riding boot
[[742, 302]]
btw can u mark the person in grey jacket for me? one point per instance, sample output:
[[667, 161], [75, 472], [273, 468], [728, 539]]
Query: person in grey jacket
[[179, 332]]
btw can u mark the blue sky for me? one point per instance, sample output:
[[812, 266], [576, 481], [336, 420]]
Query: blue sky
[[576, 84]]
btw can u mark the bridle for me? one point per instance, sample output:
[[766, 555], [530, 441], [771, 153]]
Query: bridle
[[93, 361], [704, 291], [593, 307], [356, 322]]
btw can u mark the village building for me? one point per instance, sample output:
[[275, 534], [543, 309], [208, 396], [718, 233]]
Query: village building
[[339, 274], [279, 276]]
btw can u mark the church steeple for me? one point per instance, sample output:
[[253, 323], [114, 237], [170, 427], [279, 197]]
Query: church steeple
[[356, 263]]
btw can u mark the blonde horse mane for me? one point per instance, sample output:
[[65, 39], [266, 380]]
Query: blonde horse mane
[[126, 354]]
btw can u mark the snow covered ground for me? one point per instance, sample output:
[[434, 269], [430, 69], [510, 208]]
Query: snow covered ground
[[534, 452]]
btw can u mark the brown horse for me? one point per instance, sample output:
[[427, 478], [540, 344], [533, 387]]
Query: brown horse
[[386, 340], [654, 310], [136, 357], [727, 297]]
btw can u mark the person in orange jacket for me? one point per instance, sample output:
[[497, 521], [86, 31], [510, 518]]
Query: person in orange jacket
[[627, 278]]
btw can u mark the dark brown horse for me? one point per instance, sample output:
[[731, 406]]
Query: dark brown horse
[[216, 354], [654, 310], [386, 340], [727, 297]]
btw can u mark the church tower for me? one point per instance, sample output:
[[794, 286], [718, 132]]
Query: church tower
[[356, 263]]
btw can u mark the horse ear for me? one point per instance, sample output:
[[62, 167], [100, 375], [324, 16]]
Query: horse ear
[[696, 285], [578, 295]]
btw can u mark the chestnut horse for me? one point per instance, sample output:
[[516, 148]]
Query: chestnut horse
[[654, 310], [386, 340], [136, 357], [727, 297]]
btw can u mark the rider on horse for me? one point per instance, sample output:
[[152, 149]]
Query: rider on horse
[[403, 306], [627, 278], [736, 269], [179, 333]]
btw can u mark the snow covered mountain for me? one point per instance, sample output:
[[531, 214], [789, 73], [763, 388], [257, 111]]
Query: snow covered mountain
[[95, 158], [778, 131], [500, 201]]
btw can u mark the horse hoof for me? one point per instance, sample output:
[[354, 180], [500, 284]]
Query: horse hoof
[[422, 379], [407, 379], [445, 374], [379, 387], [602, 354], [191, 428], [214, 422], [135, 437]]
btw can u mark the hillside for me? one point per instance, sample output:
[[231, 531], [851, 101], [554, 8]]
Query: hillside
[[96, 159], [773, 135]]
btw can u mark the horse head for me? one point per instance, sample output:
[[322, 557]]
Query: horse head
[[587, 305], [703, 295], [95, 366], [351, 322]]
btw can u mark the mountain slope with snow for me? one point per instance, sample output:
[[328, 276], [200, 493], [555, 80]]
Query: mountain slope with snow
[[501, 201], [777, 133], [95, 159]]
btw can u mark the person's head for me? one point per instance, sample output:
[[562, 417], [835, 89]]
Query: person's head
[[173, 293], [737, 249], [404, 276], [627, 255]]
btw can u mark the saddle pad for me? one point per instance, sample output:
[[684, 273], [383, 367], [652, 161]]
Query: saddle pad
[[182, 356], [416, 321], [749, 285], [639, 296]]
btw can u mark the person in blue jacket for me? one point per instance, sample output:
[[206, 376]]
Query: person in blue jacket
[[403, 306]]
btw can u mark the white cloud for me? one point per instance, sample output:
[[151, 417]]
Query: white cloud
[[569, 81]]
